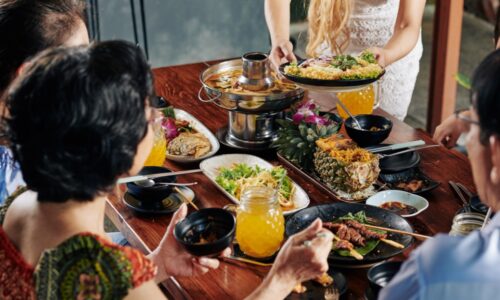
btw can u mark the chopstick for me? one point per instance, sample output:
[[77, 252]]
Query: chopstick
[[488, 214], [184, 198], [415, 235], [396, 146], [408, 150], [153, 176], [248, 261]]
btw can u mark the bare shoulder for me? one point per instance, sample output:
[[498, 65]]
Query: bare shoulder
[[18, 212]]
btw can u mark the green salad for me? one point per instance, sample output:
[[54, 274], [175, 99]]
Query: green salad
[[235, 179]]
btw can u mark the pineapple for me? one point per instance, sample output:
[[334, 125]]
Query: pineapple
[[345, 167], [297, 142]]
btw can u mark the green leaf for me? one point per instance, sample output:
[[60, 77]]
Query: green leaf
[[463, 80], [169, 112], [370, 245]]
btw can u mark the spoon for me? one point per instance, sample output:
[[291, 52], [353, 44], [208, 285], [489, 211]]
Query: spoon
[[151, 182], [350, 115]]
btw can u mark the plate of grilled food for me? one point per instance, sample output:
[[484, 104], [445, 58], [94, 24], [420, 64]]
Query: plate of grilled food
[[356, 243], [188, 140]]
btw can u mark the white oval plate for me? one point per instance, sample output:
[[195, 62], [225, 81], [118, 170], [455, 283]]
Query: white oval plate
[[420, 203], [211, 166], [183, 115]]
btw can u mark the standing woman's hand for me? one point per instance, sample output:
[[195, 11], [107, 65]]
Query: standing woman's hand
[[281, 53]]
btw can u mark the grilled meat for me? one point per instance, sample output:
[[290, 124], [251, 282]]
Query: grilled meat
[[367, 233], [346, 233]]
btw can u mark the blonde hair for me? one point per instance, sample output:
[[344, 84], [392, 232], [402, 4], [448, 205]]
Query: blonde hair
[[328, 25]]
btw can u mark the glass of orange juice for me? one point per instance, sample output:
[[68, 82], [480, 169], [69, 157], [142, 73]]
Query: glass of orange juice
[[159, 151], [260, 225], [358, 102]]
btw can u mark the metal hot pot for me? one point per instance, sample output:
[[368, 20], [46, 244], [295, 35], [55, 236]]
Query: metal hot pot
[[254, 109]]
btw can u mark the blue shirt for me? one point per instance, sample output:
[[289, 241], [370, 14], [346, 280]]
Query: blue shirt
[[448, 267], [10, 174]]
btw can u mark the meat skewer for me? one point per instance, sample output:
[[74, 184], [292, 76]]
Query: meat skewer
[[348, 246], [369, 234], [346, 233]]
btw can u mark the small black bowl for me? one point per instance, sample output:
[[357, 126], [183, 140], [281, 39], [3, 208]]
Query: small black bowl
[[365, 137], [150, 195], [215, 225], [381, 274]]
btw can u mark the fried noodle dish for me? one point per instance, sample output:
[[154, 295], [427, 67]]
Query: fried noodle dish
[[341, 67]]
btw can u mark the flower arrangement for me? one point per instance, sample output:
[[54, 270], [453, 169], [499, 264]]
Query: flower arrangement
[[297, 136]]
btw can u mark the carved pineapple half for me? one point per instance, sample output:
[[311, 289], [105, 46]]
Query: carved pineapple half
[[344, 166]]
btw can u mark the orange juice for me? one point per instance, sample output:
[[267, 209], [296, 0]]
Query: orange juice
[[159, 151], [260, 225], [357, 102]]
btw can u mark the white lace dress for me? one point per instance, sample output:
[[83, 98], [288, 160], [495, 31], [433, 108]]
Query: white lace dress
[[372, 25]]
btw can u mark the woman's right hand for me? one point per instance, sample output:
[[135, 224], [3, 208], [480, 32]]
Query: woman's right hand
[[281, 52], [302, 257]]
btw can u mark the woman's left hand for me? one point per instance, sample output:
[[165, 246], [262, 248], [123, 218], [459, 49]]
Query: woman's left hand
[[380, 55], [173, 260]]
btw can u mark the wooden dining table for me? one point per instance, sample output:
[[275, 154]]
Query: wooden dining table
[[179, 85]]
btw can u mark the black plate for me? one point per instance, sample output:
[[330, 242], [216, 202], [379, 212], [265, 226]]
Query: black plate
[[327, 82], [165, 206], [392, 179], [329, 212], [399, 163], [317, 291]]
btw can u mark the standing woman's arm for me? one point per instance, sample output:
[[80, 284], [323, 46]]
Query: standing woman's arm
[[406, 32], [278, 22]]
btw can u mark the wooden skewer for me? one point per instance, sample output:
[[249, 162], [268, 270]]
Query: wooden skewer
[[415, 235], [186, 199], [353, 252], [393, 243]]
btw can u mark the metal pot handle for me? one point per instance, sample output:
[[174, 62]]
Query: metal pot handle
[[208, 100]]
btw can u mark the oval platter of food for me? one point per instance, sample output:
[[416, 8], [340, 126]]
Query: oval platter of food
[[188, 140], [231, 173], [355, 244], [341, 71]]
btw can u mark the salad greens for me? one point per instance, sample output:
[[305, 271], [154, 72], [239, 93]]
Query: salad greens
[[230, 179]]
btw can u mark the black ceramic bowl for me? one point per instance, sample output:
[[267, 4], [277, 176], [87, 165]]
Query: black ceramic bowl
[[366, 137], [380, 274], [154, 193], [206, 232]]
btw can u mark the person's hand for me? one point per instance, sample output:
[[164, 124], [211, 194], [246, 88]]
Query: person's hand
[[281, 53], [448, 132], [380, 55], [173, 260], [302, 257]]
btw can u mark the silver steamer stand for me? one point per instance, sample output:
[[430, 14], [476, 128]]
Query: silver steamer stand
[[252, 118]]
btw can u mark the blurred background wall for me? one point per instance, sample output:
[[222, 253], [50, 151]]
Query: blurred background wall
[[184, 31]]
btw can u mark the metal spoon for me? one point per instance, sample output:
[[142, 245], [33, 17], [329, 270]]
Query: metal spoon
[[350, 115], [151, 182]]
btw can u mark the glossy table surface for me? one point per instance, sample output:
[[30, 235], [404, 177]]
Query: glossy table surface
[[179, 85]]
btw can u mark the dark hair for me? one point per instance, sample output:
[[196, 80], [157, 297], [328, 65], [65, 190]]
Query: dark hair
[[30, 26], [486, 95], [76, 117]]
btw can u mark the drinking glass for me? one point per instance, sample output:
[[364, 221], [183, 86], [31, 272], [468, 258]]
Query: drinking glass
[[358, 102], [260, 225], [159, 151]]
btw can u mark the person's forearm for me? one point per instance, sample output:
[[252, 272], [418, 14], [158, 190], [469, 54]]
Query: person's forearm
[[161, 273], [401, 43], [406, 30], [271, 288], [278, 19]]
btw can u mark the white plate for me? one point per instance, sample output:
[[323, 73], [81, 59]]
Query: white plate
[[420, 203], [196, 124], [211, 166]]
